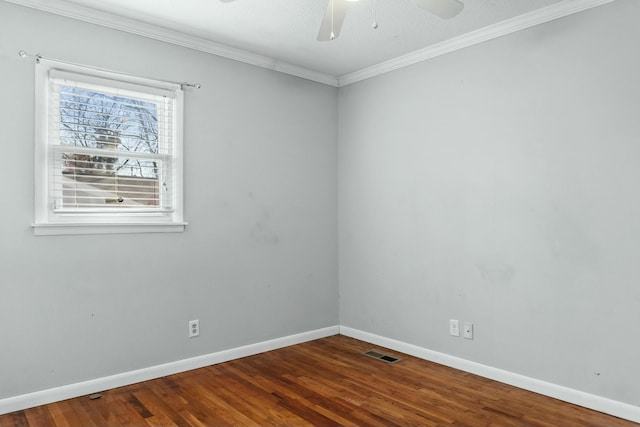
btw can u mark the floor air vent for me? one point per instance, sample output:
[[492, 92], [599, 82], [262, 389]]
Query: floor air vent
[[380, 356]]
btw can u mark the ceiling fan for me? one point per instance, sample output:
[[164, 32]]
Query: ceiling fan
[[337, 10]]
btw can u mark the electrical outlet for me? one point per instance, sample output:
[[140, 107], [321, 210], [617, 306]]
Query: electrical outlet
[[468, 331], [194, 328], [454, 327]]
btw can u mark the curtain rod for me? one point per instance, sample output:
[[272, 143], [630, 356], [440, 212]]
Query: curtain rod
[[37, 58]]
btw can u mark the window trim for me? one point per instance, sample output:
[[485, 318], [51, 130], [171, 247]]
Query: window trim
[[46, 221]]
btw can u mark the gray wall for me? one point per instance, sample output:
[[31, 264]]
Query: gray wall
[[499, 185], [258, 260], [496, 185]]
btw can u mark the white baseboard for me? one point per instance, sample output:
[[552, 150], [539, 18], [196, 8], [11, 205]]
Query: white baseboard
[[56, 394], [598, 403], [591, 401]]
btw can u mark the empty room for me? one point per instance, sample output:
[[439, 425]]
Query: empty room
[[320, 212]]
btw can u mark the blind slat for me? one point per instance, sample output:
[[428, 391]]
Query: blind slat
[[60, 150], [141, 88], [66, 100]]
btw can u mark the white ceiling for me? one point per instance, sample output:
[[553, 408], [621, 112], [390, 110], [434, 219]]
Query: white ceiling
[[281, 34]]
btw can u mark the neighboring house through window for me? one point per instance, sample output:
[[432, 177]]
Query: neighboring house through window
[[108, 152]]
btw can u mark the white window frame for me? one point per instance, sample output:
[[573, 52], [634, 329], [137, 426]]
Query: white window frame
[[47, 221]]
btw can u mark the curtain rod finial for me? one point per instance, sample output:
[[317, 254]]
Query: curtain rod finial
[[196, 85], [23, 54]]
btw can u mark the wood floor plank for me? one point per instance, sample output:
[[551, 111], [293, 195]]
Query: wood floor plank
[[69, 414], [14, 419], [326, 382], [38, 416], [57, 415], [86, 417], [241, 397], [112, 409], [161, 413], [220, 411]]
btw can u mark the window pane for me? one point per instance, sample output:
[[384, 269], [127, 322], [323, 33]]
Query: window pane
[[111, 124], [105, 121], [104, 181]]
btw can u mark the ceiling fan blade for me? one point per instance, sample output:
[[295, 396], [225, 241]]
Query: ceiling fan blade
[[445, 9], [337, 8]]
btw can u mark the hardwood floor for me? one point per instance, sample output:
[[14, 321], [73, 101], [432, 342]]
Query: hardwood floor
[[327, 382]]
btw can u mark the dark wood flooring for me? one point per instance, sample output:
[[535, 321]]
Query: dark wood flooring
[[327, 382]]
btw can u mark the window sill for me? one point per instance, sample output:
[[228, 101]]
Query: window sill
[[71, 228]]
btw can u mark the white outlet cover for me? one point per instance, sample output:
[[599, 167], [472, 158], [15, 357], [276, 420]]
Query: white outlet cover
[[468, 331], [194, 328], [454, 327]]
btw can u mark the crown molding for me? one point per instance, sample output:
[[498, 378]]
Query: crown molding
[[540, 16], [132, 26], [83, 13]]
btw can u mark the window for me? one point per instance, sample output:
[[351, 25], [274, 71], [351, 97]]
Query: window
[[108, 152]]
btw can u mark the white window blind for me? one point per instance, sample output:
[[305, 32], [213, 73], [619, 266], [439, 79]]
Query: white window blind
[[111, 149]]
